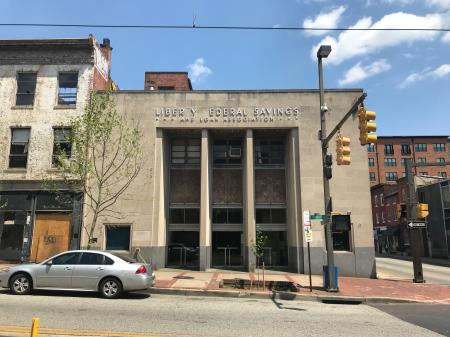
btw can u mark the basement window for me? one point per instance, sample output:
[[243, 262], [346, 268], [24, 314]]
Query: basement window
[[67, 88], [26, 88], [118, 237]]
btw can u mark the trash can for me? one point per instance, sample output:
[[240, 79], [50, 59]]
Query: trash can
[[325, 276]]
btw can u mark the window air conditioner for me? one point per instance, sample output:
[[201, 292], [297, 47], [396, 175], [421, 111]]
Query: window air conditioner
[[234, 152]]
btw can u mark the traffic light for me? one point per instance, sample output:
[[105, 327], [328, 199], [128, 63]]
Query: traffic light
[[400, 211], [343, 150], [367, 126], [422, 210], [328, 166]]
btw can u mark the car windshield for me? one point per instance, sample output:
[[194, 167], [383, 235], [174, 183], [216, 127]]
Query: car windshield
[[124, 257]]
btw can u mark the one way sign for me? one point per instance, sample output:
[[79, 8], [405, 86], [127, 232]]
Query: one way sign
[[417, 225]]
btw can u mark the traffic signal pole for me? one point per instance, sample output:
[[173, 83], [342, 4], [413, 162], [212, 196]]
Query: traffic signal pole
[[416, 233], [332, 287]]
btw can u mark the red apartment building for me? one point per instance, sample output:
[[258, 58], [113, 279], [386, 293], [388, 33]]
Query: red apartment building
[[167, 81], [386, 161], [387, 157]]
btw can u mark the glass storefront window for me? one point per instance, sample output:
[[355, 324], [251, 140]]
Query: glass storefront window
[[227, 215], [271, 215], [184, 216]]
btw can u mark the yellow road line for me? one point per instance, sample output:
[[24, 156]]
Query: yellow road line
[[73, 332]]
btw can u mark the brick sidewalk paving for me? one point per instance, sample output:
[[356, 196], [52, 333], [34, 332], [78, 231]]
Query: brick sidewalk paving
[[348, 286]]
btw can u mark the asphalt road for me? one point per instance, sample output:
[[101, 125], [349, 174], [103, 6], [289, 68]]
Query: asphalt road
[[202, 316], [434, 317], [400, 269]]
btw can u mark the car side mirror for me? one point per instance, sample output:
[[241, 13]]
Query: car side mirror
[[49, 263]]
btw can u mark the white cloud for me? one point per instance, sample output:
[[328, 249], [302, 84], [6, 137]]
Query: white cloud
[[397, 2], [356, 43], [198, 71], [408, 55], [446, 37], [439, 72], [357, 73], [444, 4], [328, 20]]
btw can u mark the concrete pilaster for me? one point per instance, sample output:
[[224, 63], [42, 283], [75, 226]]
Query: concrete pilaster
[[158, 250], [205, 204], [249, 201], [295, 228]]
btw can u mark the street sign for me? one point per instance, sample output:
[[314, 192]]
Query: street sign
[[306, 218], [417, 225], [308, 233], [317, 216]]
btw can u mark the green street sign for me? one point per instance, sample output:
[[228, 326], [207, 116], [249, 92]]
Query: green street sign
[[317, 216]]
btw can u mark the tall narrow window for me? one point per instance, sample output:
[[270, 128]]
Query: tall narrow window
[[420, 147], [18, 154], [371, 162], [372, 176], [388, 149], [67, 88], [406, 149], [371, 147], [62, 147], [26, 87]]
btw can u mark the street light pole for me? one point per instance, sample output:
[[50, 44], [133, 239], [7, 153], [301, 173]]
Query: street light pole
[[323, 52]]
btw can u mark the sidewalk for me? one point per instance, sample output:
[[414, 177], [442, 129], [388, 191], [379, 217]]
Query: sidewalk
[[294, 286], [222, 283]]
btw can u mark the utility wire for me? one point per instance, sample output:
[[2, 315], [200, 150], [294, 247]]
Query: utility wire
[[194, 26]]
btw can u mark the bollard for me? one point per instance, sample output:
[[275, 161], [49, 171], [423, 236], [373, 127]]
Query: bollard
[[35, 327]]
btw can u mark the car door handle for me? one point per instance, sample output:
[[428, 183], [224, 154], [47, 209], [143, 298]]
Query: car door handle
[[100, 268], [67, 268]]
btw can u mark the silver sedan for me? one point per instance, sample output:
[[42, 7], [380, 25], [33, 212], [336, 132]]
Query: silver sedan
[[85, 270]]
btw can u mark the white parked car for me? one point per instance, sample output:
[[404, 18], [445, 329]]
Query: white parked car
[[110, 274]]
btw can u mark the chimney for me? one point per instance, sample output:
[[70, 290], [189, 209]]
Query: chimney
[[106, 49]]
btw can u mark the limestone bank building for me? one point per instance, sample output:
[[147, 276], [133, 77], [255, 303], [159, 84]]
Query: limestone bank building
[[219, 164], [222, 163]]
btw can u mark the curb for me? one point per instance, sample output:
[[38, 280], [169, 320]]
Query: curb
[[279, 295]]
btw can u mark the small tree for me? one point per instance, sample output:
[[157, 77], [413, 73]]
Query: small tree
[[105, 158], [257, 247]]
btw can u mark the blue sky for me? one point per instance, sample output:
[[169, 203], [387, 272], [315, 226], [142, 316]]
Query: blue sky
[[406, 74]]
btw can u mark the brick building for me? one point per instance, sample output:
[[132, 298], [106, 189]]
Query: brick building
[[44, 83], [387, 157], [167, 81]]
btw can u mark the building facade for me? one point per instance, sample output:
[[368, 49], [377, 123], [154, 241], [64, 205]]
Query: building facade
[[386, 158], [43, 85], [221, 164], [437, 196]]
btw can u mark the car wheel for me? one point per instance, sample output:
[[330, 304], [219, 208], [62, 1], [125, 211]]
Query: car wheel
[[110, 288], [21, 284]]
